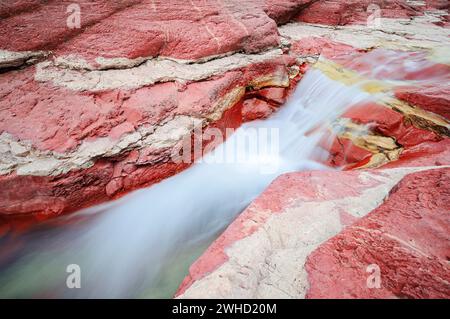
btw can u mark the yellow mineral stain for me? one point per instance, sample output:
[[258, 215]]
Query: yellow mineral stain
[[428, 120], [384, 148], [338, 73]]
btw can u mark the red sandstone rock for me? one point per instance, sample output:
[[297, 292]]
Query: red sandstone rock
[[406, 237], [355, 11], [49, 196], [13, 7], [263, 252], [282, 11], [365, 63], [344, 153], [58, 118], [146, 28], [283, 193], [62, 121], [254, 109], [424, 154], [315, 46], [274, 96], [433, 98], [390, 123], [45, 26]]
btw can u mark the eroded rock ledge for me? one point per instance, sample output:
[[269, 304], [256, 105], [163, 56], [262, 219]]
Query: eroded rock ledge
[[307, 226]]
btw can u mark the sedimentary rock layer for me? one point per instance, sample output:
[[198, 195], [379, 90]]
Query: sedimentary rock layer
[[405, 240], [284, 245]]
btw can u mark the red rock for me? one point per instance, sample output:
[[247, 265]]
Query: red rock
[[27, 199], [379, 120], [45, 27], [282, 11], [433, 98], [424, 154], [344, 153], [273, 95], [390, 123], [314, 46], [437, 4], [58, 118], [262, 253], [144, 28], [113, 187], [306, 186], [406, 237], [355, 11], [121, 129], [254, 109], [9, 8], [367, 63]]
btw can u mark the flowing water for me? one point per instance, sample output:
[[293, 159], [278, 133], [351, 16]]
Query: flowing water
[[143, 244]]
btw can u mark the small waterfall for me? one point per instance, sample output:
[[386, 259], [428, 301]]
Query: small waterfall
[[142, 244]]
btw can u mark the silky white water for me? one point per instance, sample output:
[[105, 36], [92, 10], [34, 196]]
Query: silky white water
[[142, 244]]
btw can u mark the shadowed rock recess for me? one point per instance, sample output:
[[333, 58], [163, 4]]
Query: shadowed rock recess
[[91, 112]]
